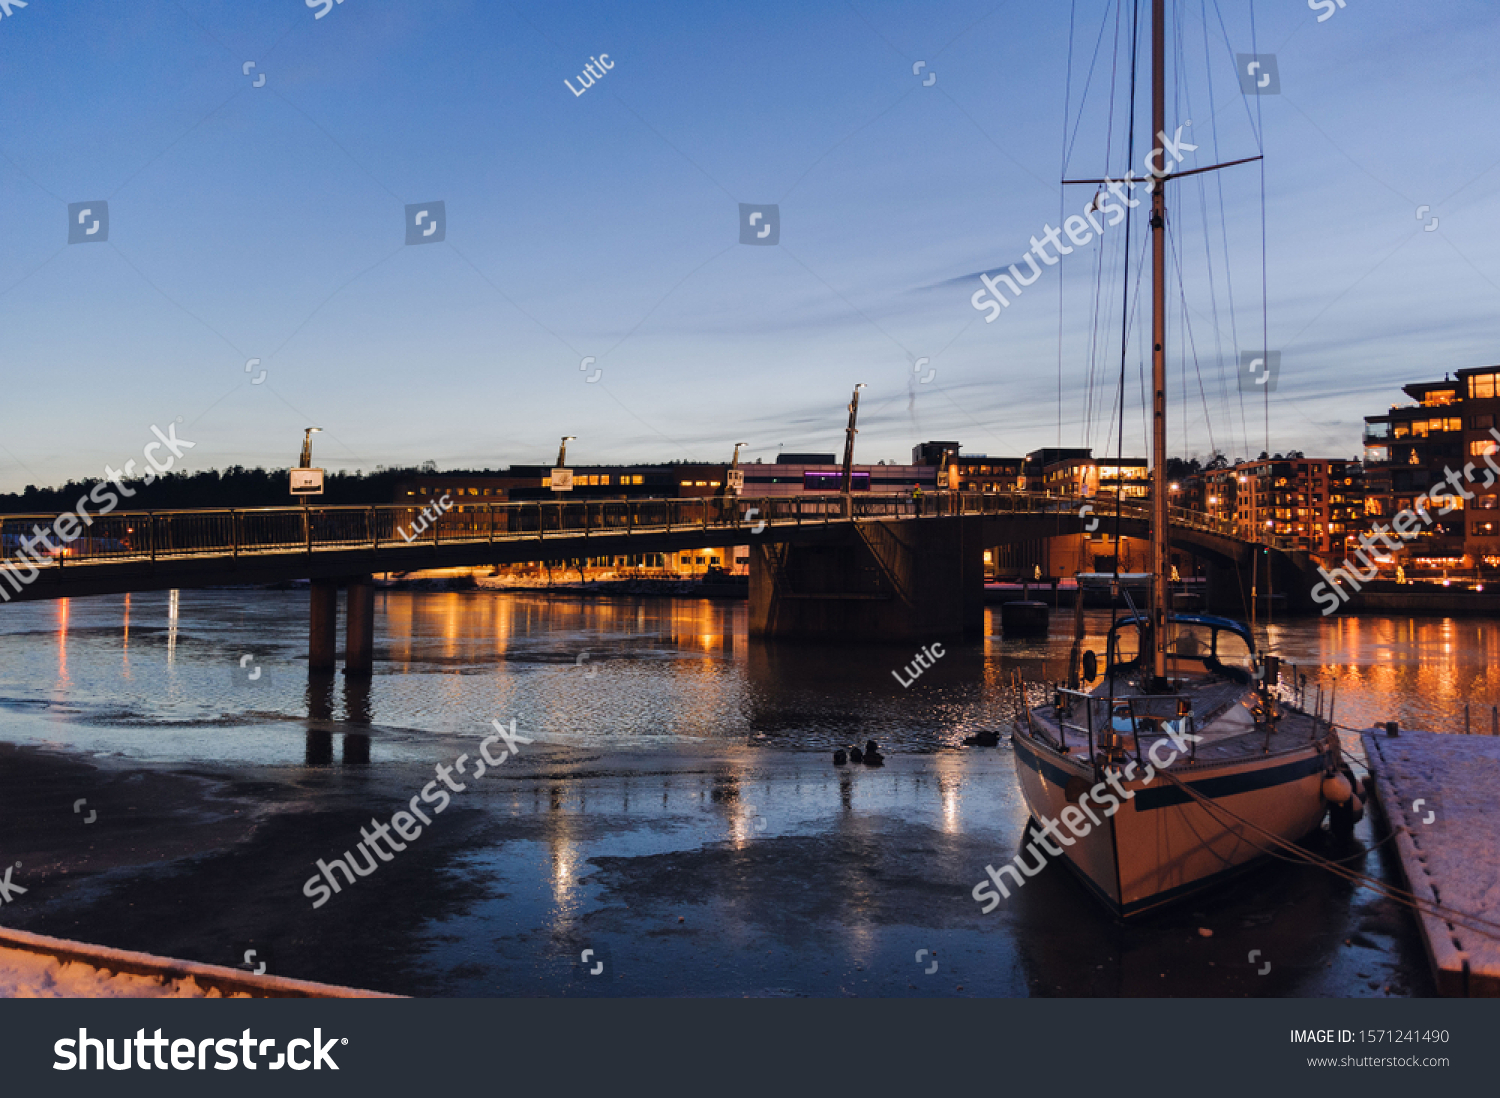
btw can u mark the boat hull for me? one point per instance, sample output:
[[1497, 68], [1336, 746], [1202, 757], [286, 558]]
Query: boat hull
[[1162, 844]]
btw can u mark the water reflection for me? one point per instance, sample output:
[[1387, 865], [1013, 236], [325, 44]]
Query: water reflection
[[658, 672]]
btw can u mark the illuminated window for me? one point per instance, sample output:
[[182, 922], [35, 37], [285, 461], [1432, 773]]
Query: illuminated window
[[1444, 396], [1481, 446], [1482, 386], [603, 477]]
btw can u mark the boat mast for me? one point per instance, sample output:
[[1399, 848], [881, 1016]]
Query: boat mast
[[1159, 528]]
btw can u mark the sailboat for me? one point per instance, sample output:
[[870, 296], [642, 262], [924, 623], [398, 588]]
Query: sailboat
[[1178, 763]]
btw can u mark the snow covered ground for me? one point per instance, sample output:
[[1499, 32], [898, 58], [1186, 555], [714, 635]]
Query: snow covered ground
[[27, 975]]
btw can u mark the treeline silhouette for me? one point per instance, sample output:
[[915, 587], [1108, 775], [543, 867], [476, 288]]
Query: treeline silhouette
[[232, 487]]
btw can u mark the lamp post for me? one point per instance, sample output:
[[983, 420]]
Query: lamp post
[[307, 447], [734, 480], [310, 482], [849, 433], [560, 480]]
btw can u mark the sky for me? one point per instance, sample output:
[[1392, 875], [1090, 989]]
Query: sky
[[269, 222]]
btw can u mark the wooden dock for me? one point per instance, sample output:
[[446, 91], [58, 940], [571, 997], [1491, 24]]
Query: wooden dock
[[1437, 792]]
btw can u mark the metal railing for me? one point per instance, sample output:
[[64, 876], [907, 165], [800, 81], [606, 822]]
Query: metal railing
[[1147, 717], [246, 532]]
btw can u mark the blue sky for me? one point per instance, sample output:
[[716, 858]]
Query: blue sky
[[268, 223]]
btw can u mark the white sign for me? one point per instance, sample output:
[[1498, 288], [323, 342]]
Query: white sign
[[561, 480], [307, 482], [735, 479]]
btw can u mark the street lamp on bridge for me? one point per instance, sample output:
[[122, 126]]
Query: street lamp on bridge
[[305, 480], [849, 433], [307, 447]]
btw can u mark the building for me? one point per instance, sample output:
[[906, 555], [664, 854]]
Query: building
[[1414, 446], [1297, 502], [971, 472], [799, 474], [1084, 476]]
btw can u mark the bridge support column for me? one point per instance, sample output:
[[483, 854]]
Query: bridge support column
[[323, 615], [897, 581], [359, 624]]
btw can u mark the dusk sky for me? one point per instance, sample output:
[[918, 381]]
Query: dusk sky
[[269, 222]]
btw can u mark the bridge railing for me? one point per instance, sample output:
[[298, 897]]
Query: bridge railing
[[156, 535]]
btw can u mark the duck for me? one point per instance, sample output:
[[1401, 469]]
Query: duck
[[872, 756], [840, 757], [983, 739], [856, 755]]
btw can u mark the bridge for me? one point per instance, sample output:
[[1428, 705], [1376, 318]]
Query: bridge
[[875, 565]]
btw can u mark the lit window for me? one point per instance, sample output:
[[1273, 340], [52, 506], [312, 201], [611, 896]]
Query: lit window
[[1481, 446], [1482, 386]]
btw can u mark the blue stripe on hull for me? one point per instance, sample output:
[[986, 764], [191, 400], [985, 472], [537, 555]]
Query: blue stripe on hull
[[1165, 796]]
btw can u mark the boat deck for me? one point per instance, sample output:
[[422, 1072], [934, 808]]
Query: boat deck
[[1227, 727], [1437, 793]]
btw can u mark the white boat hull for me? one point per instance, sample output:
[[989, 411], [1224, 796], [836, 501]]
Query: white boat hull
[[1162, 844]]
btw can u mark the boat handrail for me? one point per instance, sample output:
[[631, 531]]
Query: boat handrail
[[1184, 713]]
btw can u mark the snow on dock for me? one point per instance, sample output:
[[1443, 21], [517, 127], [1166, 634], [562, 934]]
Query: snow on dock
[[34, 966], [1438, 793]]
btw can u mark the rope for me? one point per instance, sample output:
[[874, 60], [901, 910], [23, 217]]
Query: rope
[[1478, 924]]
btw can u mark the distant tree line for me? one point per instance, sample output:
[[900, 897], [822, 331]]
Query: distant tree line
[[232, 487]]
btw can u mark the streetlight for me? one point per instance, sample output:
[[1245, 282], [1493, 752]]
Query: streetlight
[[307, 446], [562, 451], [305, 480], [849, 433]]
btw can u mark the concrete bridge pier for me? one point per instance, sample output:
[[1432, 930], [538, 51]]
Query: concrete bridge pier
[[359, 628], [1292, 575], [323, 616], [896, 581]]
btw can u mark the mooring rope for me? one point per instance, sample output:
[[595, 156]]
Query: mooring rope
[[1477, 923]]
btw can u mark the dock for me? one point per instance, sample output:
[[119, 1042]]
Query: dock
[[1436, 794]]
